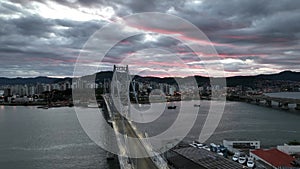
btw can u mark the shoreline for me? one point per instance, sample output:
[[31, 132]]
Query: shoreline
[[23, 104]]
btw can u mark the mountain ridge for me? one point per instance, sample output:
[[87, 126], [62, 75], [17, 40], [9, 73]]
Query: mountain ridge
[[100, 76]]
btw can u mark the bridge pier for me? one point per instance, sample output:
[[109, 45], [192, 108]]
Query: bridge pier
[[285, 106], [297, 106], [279, 104]]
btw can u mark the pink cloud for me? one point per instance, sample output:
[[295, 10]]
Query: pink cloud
[[179, 35], [241, 37]]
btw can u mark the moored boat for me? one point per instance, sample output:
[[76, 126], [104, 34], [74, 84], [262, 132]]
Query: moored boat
[[172, 106]]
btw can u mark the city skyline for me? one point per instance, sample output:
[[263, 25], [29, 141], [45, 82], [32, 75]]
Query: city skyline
[[145, 76], [44, 38]]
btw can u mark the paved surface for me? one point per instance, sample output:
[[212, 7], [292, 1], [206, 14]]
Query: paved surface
[[135, 147]]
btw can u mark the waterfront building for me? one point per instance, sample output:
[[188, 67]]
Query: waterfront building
[[55, 86], [272, 158], [91, 85], [25, 90], [241, 144], [7, 92], [289, 149], [1, 92], [172, 90], [74, 86], [65, 85], [31, 90], [47, 87], [39, 88]]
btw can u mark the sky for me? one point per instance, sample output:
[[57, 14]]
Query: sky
[[45, 38]]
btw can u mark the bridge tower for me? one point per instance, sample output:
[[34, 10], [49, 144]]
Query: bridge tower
[[119, 101], [106, 86], [120, 89]]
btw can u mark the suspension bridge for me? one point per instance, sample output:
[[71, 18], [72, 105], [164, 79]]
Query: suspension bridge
[[134, 153]]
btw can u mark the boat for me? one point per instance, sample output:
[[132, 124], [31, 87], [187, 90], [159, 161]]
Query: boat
[[250, 162], [42, 107], [196, 105], [110, 156], [92, 105], [173, 106], [236, 156], [242, 159]]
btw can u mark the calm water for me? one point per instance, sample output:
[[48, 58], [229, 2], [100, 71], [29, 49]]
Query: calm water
[[243, 121], [34, 138]]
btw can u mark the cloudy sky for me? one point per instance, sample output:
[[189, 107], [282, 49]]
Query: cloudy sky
[[45, 38]]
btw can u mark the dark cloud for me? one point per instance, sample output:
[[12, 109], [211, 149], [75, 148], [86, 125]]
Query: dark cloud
[[266, 32]]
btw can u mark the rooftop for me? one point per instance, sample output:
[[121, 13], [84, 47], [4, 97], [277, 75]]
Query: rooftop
[[207, 159], [274, 157]]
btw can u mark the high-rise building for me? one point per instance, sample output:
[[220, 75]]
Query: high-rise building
[[7, 92], [31, 90], [39, 88]]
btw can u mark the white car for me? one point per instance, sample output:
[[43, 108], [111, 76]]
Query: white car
[[199, 145], [242, 159], [236, 156], [206, 148], [193, 145], [220, 153], [250, 162]]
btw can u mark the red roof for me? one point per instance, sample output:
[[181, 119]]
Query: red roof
[[274, 157]]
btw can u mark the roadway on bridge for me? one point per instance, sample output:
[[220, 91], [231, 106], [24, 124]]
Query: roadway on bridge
[[134, 147]]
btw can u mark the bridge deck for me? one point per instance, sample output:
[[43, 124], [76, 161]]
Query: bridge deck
[[276, 99], [134, 147]]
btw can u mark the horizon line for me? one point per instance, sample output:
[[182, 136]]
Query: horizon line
[[64, 77]]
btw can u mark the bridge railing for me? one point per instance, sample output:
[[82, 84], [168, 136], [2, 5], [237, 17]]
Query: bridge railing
[[155, 157]]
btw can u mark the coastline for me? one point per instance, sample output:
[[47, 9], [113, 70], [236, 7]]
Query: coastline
[[23, 104]]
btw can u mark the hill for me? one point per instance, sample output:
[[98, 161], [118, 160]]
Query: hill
[[35, 80], [101, 76]]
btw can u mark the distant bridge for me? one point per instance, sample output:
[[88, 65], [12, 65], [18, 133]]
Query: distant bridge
[[282, 102]]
